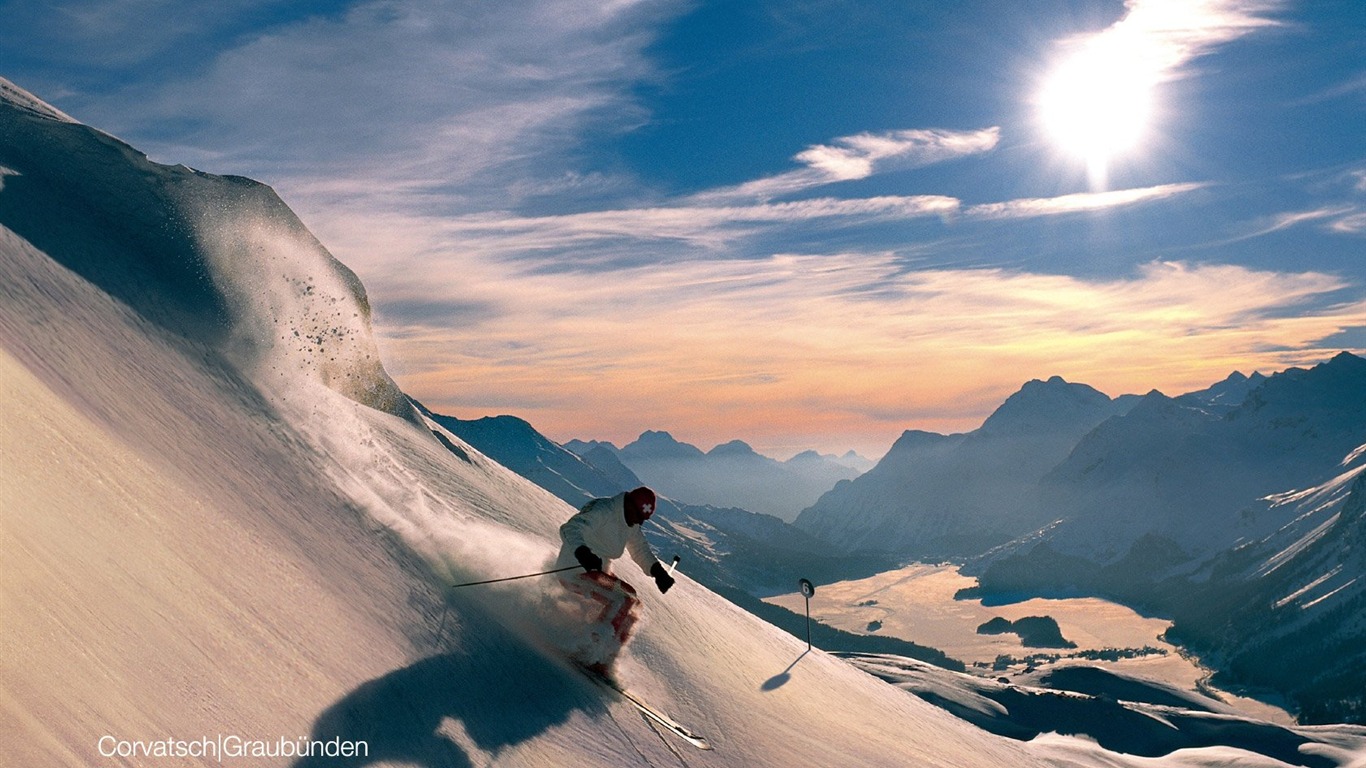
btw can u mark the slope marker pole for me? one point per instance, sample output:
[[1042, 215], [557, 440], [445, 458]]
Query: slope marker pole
[[808, 590]]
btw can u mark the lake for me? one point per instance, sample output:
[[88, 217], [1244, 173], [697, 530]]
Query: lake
[[916, 603]]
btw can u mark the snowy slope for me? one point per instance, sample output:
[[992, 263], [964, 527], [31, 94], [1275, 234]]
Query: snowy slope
[[211, 525]]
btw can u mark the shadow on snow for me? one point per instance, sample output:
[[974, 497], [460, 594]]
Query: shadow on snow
[[495, 693]]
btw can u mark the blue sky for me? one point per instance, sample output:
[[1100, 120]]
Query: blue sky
[[801, 224]]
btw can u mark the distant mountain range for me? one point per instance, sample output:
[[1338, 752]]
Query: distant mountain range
[[730, 475], [1237, 509], [1062, 463]]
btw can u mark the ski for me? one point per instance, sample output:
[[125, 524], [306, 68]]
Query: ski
[[668, 723]]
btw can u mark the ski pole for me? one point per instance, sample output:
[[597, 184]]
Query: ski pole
[[514, 578], [673, 565]]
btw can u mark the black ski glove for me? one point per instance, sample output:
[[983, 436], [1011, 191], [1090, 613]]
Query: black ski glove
[[662, 578], [587, 559]]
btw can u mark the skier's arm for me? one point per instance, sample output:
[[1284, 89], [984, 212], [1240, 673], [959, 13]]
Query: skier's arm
[[572, 534], [573, 530], [645, 558], [640, 550]]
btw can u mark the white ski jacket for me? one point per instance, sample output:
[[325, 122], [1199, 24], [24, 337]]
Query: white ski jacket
[[601, 526]]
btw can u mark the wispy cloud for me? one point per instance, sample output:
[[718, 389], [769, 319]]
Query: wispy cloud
[[1078, 203], [1288, 220], [849, 158], [1354, 85], [1353, 223], [717, 228], [711, 227], [440, 104], [117, 34], [1164, 35], [1344, 219]]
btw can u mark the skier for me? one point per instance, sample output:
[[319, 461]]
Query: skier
[[601, 531]]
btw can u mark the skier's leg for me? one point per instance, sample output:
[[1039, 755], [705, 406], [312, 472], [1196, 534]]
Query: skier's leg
[[592, 607], [627, 613]]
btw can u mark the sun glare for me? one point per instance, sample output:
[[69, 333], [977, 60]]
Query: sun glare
[[1096, 104]]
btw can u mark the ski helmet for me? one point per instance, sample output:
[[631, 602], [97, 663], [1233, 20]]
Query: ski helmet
[[641, 501]]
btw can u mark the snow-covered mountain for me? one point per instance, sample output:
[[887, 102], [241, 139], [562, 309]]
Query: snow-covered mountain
[[1173, 473], [1225, 395], [1123, 713], [220, 517], [517, 445], [1288, 611], [1178, 473], [731, 474], [944, 495]]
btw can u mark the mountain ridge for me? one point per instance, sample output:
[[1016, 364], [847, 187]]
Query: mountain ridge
[[731, 474], [938, 495]]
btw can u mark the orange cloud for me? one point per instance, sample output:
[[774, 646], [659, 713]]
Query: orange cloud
[[836, 351]]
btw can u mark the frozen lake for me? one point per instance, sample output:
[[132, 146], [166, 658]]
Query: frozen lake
[[916, 603]]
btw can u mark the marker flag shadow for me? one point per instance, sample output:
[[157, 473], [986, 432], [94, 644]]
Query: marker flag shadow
[[782, 678]]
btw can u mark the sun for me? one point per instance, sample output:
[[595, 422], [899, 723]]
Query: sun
[[1097, 104]]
